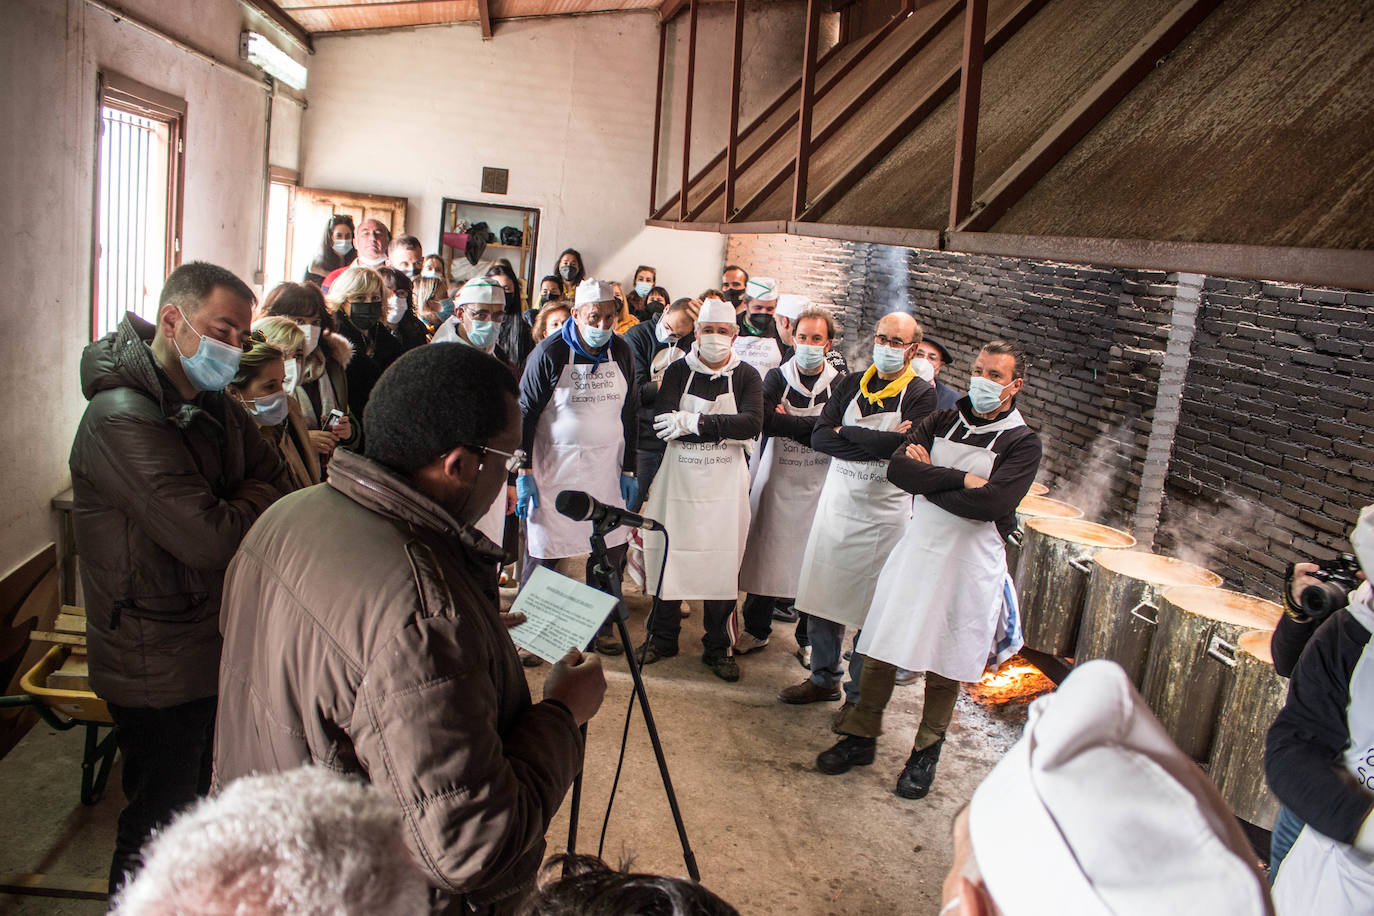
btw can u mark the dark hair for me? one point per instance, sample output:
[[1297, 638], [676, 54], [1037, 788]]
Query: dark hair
[[298, 300], [189, 284], [328, 257], [434, 399], [504, 270], [643, 267], [591, 888], [554, 278], [406, 241], [1020, 362], [678, 305], [581, 268], [730, 267], [396, 281], [661, 291]]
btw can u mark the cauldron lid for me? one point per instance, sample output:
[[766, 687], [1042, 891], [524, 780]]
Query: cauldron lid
[[1038, 489], [1156, 569], [1044, 507], [1227, 606], [1256, 642], [1077, 531]]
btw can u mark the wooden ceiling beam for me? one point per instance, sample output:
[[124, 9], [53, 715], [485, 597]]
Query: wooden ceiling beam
[[284, 21], [670, 8]]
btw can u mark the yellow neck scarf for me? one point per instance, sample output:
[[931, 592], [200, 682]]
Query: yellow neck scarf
[[896, 386]]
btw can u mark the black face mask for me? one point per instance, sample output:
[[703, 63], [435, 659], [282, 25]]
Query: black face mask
[[761, 322], [365, 314], [547, 298], [512, 302], [733, 296], [570, 273]]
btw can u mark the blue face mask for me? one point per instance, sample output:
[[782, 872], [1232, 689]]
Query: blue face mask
[[445, 310], [481, 333], [213, 365], [596, 338], [642, 289], [985, 395], [269, 410], [810, 357], [889, 359]]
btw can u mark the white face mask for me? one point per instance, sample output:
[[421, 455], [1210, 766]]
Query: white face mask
[[293, 375], [664, 333], [343, 247], [714, 347], [395, 309], [924, 370], [371, 262], [269, 410], [312, 337]]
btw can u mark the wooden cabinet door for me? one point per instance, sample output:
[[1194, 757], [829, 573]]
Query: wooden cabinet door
[[311, 209]]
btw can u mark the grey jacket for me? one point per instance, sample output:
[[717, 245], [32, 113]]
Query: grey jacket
[[164, 491]]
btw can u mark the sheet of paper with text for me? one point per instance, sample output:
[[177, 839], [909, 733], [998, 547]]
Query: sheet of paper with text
[[560, 613]]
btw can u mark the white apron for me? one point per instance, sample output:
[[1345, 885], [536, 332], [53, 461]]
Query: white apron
[[858, 520], [579, 444], [763, 353], [1320, 875], [663, 359], [700, 489], [941, 592], [783, 498]]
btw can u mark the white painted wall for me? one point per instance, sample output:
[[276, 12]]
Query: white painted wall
[[566, 104], [50, 53]]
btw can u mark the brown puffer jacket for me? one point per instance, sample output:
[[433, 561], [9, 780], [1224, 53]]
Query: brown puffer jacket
[[358, 635], [164, 491]]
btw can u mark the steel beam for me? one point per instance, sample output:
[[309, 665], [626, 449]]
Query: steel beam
[[808, 101], [732, 136], [970, 95], [1085, 114], [687, 108], [658, 113]]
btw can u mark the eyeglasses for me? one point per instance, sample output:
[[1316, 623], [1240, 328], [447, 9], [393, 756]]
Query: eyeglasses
[[514, 460], [885, 341]]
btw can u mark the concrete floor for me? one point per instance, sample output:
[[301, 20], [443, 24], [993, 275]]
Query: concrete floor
[[771, 835]]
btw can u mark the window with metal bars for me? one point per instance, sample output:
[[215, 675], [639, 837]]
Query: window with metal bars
[[140, 157]]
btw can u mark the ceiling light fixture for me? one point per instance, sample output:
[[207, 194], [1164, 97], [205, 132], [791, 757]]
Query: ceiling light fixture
[[275, 62]]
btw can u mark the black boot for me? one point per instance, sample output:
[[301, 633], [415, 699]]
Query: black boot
[[851, 751], [919, 772]]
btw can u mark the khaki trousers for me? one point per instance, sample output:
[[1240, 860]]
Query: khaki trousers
[[876, 684]]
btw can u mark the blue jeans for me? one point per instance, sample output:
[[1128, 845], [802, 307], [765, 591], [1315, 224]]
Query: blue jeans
[[1287, 826], [827, 657]]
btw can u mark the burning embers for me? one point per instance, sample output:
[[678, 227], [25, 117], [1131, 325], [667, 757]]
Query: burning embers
[[1017, 681]]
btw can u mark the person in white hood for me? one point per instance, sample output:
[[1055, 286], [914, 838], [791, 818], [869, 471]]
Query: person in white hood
[[709, 409], [1096, 812]]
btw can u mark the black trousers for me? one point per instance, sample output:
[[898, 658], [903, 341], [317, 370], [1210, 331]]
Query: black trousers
[[664, 625], [757, 612], [167, 758]]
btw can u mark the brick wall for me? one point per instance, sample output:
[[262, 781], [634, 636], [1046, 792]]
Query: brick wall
[[1225, 421]]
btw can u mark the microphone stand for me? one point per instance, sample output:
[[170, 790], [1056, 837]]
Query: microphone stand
[[600, 578]]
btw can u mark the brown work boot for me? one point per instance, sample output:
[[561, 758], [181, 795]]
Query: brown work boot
[[807, 692]]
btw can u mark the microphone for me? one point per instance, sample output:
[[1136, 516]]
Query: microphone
[[580, 506]]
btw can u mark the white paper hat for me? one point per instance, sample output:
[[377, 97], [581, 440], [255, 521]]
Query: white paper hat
[[764, 288], [481, 291], [1096, 811], [716, 311], [590, 290], [790, 305]]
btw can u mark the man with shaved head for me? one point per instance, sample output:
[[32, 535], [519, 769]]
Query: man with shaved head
[[860, 514]]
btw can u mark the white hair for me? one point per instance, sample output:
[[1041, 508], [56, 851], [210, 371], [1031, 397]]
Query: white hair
[[307, 842]]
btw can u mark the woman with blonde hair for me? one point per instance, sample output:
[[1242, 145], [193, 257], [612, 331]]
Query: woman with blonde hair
[[260, 388], [623, 319], [321, 389], [550, 319], [428, 297], [292, 438], [357, 299]]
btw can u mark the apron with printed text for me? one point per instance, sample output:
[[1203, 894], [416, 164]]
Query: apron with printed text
[[859, 517], [941, 593], [701, 495], [579, 444], [763, 353], [783, 498]]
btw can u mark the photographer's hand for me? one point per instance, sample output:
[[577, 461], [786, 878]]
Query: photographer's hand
[[1302, 577]]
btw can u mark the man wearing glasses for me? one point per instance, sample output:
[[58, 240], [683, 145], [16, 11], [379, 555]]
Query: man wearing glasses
[[860, 514], [168, 474], [580, 428], [362, 633]]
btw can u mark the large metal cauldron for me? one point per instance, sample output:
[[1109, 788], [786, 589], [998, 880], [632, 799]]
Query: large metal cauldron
[[1038, 489], [1053, 577], [1255, 699], [1121, 609], [1192, 659], [1034, 506]]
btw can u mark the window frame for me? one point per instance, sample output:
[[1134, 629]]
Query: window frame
[[114, 90]]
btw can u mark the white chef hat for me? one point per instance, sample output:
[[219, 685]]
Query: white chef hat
[[762, 288], [481, 291], [590, 290], [790, 305], [1096, 811], [716, 311], [1362, 540]]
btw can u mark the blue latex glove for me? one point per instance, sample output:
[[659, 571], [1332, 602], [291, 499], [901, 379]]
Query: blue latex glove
[[526, 495], [629, 489]]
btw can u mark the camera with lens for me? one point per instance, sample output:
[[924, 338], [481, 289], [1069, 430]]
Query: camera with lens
[[1338, 577]]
